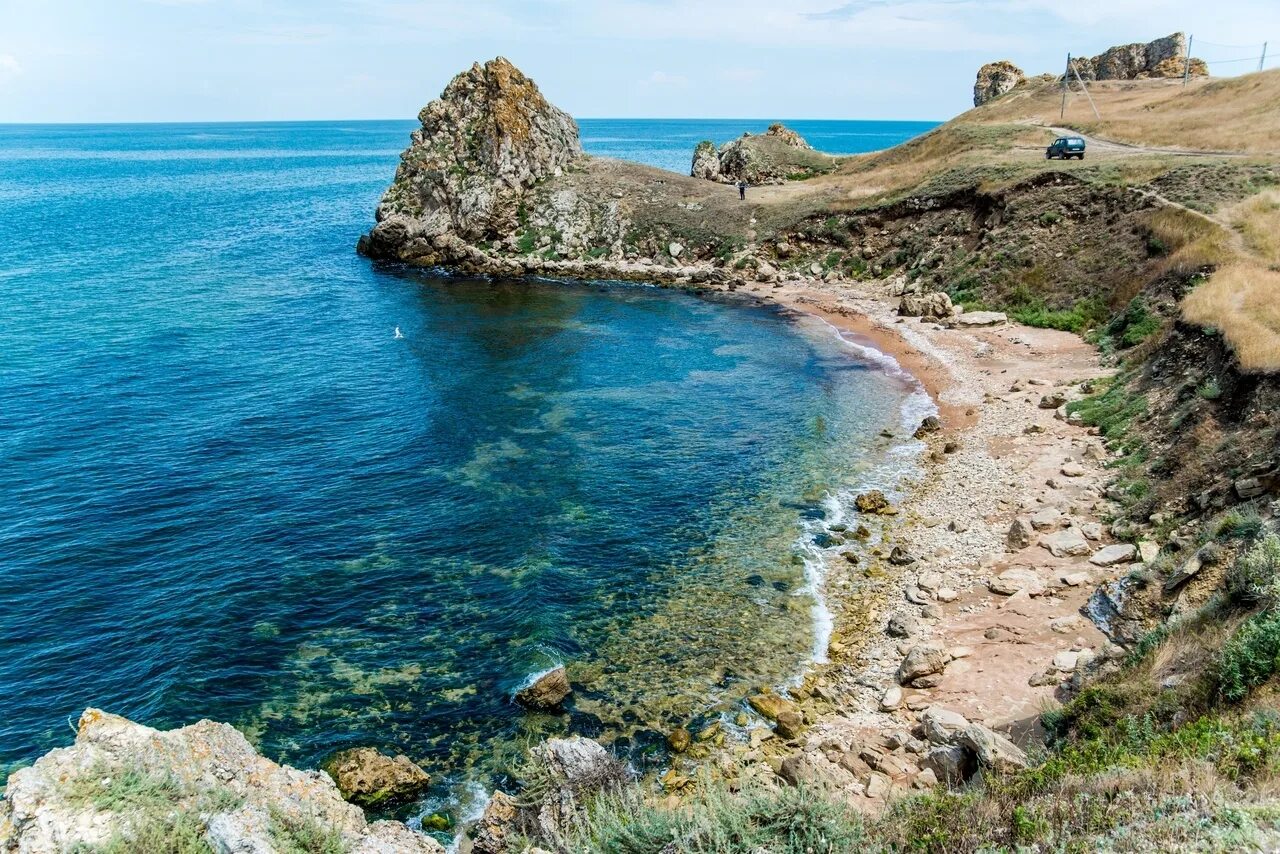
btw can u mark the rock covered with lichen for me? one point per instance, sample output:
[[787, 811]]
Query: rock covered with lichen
[[994, 80], [125, 786], [483, 144]]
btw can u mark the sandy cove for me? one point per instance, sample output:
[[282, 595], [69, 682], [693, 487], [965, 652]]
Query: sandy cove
[[1010, 653]]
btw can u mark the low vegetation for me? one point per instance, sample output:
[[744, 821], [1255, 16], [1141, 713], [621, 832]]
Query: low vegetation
[[1240, 301]]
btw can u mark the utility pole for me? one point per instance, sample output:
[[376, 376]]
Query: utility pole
[[1186, 70], [1085, 89], [1263, 60], [1066, 81]]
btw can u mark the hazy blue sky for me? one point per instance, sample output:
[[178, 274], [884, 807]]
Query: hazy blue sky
[[190, 60]]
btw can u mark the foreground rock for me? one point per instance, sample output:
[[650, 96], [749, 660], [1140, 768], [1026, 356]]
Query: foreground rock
[[369, 778], [204, 781], [547, 692]]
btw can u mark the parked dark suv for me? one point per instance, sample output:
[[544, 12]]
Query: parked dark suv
[[1065, 147]]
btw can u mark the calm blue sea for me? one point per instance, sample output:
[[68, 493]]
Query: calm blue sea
[[228, 490]]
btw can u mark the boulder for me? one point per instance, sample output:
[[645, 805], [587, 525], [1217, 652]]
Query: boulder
[[1052, 400], [369, 778], [1111, 555], [928, 424], [770, 705], [950, 763], [994, 80], [789, 724], [992, 750], [891, 699], [1047, 519], [490, 834], [1183, 574], [970, 319], [923, 660], [214, 777], [1018, 578], [874, 503], [1066, 543], [940, 724], [1073, 469], [935, 304], [900, 626], [1020, 535], [900, 557], [706, 162], [547, 691]]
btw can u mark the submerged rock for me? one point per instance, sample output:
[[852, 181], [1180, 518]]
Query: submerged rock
[[547, 692], [369, 778], [121, 776]]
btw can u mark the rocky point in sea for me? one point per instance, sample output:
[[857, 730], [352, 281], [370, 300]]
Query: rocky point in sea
[[483, 144]]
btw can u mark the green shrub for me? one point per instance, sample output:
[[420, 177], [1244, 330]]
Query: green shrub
[[1239, 523], [1251, 657], [1210, 390], [1133, 325], [1252, 578]]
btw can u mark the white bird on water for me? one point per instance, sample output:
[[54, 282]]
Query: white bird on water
[[399, 334]]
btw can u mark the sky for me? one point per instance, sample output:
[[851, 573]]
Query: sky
[[256, 60]]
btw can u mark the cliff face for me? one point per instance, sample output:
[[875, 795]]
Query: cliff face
[[122, 783], [488, 139], [1164, 57]]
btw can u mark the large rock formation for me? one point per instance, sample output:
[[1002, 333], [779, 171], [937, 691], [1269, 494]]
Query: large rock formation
[[1164, 57], [369, 778], [779, 154], [488, 139], [996, 79], [122, 782]]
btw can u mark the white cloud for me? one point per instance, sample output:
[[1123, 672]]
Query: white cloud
[[9, 66]]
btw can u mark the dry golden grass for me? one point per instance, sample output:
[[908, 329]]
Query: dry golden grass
[[1242, 300], [1232, 114], [1258, 220], [1193, 241]]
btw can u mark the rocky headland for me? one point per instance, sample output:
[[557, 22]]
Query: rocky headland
[[774, 157], [1034, 641]]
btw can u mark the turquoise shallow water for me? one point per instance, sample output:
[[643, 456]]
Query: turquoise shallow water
[[228, 491]]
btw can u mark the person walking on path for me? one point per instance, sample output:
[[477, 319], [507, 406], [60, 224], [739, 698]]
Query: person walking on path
[[742, 189]]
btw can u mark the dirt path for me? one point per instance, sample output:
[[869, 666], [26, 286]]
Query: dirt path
[[1111, 147]]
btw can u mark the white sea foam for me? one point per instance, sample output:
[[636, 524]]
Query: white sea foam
[[888, 476]]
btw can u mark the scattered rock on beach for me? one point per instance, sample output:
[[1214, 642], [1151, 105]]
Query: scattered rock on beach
[[1066, 543], [874, 503], [1020, 534], [1111, 555], [921, 661]]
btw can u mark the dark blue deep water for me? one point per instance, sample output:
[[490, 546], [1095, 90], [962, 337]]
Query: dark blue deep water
[[228, 491]]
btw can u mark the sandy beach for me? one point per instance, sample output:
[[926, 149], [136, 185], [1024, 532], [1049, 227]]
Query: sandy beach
[[1007, 616]]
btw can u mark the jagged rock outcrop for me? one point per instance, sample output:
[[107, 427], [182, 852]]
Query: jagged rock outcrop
[[121, 779], [777, 155], [488, 139], [1164, 57], [996, 79]]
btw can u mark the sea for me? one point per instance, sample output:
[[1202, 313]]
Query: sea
[[248, 475]]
